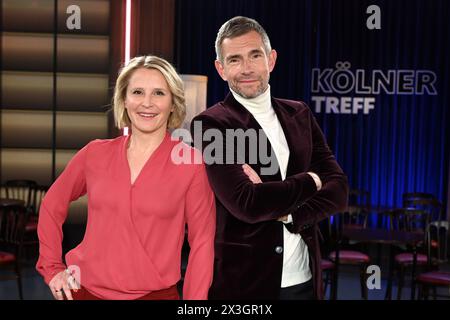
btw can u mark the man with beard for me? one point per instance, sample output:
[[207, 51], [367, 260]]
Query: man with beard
[[266, 244]]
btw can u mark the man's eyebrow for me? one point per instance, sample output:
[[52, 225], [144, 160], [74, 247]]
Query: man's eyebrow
[[233, 56], [256, 51]]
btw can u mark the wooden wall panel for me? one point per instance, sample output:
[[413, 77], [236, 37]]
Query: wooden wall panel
[[76, 92], [34, 52], [28, 129], [37, 16], [33, 164]]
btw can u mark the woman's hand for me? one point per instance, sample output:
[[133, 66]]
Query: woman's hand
[[61, 284]]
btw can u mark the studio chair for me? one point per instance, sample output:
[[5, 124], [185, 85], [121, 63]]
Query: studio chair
[[3, 191], [439, 227], [31, 240], [24, 190], [329, 277], [327, 266], [425, 201], [21, 190], [13, 219], [38, 195], [433, 280], [415, 216], [348, 252], [32, 194], [357, 213]]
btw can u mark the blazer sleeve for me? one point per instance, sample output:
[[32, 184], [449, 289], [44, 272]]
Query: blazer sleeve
[[248, 202], [333, 197], [200, 212], [69, 186]]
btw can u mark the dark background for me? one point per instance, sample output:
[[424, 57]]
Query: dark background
[[400, 146]]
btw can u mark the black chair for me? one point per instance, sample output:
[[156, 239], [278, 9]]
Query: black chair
[[39, 194], [327, 266], [22, 190], [3, 192], [418, 212], [347, 252], [31, 239], [433, 280], [32, 194], [411, 220], [13, 219], [357, 213], [439, 227], [433, 277]]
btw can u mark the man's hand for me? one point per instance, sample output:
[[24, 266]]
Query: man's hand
[[254, 177], [316, 180], [251, 174]]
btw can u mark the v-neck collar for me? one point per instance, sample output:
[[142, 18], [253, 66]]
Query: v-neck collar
[[155, 153]]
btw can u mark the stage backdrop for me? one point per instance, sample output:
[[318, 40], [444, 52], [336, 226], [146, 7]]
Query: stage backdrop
[[381, 96]]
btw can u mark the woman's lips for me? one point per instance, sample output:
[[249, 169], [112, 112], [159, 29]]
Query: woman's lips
[[147, 115]]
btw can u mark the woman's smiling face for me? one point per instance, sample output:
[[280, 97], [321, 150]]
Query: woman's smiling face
[[148, 101]]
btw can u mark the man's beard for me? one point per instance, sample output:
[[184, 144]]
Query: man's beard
[[259, 90]]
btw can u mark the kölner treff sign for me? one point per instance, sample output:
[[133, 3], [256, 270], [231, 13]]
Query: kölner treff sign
[[346, 91]]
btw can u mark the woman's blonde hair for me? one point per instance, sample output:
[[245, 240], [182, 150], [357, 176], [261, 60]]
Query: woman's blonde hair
[[173, 80]]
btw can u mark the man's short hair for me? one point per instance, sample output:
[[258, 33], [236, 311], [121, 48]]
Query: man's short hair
[[236, 27]]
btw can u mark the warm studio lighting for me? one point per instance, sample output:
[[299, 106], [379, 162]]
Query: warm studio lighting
[[195, 93], [127, 31], [127, 41]]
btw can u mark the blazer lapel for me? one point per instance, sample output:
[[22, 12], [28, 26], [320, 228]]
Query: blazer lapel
[[248, 121], [285, 114], [240, 113]]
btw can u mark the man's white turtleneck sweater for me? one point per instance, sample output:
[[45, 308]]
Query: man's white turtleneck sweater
[[295, 253]]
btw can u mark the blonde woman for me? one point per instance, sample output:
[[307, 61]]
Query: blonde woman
[[139, 202]]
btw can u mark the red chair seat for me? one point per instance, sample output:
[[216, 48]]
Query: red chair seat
[[407, 258], [439, 278], [31, 226], [6, 257], [326, 264], [349, 256]]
